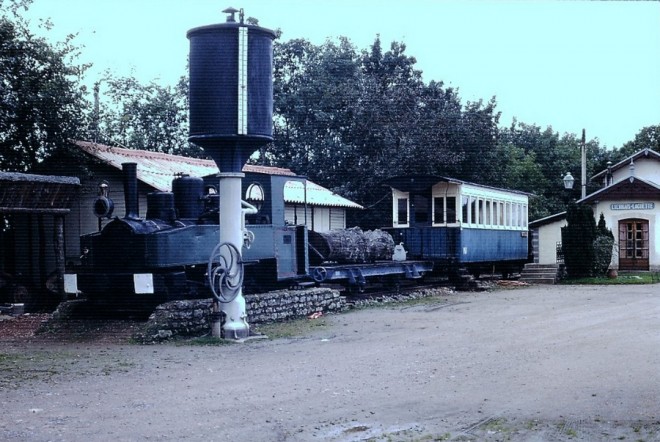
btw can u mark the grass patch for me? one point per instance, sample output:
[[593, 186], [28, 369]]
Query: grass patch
[[622, 279], [203, 341], [292, 328]]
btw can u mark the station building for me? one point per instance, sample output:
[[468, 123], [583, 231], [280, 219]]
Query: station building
[[629, 200]]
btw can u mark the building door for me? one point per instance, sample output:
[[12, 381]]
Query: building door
[[634, 244]]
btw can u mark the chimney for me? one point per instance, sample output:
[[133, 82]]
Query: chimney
[[131, 191]]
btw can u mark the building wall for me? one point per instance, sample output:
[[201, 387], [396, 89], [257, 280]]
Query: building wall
[[548, 237], [319, 219], [613, 216], [646, 168], [82, 220]]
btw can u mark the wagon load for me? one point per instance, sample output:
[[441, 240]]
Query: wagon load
[[350, 246], [380, 245]]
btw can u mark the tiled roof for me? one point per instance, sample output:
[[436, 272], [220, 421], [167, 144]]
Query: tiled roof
[[159, 169]]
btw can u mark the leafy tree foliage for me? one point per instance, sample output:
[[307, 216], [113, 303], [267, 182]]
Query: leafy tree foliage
[[142, 116], [346, 118], [535, 160], [41, 100], [647, 137]]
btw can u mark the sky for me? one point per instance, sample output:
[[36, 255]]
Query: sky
[[566, 64]]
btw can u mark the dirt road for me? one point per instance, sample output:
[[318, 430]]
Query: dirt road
[[540, 363]]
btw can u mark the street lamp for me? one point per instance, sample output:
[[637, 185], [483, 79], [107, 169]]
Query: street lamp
[[568, 181]]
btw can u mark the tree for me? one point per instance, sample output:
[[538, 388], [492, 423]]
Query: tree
[[647, 137], [344, 118], [41, 100], [577, 239], [143, 116]]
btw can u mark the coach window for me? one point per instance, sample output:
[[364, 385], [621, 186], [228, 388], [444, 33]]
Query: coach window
[[473, 210], [402, 211], [500, 211], [464, 209], [439, 210], [488, 221], [451, 209]]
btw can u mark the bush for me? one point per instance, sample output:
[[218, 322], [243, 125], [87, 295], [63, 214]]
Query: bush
[[602, 254]]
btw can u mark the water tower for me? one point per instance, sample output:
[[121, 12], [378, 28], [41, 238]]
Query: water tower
[[231, 116]]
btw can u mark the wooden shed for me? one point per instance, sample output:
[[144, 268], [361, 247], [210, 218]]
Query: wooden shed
[[32, 217]]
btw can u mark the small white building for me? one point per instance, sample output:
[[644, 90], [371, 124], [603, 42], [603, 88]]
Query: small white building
[[629, 201]]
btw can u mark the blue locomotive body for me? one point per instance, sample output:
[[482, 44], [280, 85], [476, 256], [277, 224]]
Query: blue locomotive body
[[163, 256]]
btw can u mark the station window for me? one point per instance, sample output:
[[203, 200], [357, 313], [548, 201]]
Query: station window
[[402, 211]]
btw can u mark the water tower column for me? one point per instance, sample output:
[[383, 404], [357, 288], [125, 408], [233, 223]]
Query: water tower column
[[236, 325], [231, 116]]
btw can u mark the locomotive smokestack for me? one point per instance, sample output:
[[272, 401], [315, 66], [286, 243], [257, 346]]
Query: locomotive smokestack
[[130, 190]]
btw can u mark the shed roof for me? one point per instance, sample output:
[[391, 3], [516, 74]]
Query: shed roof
[[22, 192], [315, 195], [159, 169]]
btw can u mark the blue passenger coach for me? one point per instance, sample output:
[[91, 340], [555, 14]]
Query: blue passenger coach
[[458, 224]]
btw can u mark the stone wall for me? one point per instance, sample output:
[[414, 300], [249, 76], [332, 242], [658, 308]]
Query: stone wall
[[192, 318]]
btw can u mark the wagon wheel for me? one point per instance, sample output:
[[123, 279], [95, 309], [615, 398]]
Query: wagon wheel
[[319, 274]]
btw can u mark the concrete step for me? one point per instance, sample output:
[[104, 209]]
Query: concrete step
[[541, 266], [540, 273], [548, 280]]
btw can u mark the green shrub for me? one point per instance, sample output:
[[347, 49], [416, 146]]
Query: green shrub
[[602, 254]]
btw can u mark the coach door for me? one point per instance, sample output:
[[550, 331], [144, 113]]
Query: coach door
[[634, 244]]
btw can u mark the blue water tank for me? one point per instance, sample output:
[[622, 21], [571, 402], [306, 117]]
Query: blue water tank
[[231, 91]]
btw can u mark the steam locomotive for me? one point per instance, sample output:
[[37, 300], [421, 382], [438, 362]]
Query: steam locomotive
[[439, 224]]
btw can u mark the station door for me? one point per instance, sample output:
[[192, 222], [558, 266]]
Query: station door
[[634, 244]]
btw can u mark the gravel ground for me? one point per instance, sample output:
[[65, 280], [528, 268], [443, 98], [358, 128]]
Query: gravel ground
[[541, 363]]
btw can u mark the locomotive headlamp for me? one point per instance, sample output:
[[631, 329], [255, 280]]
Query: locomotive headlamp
[[568, 181], [103, 205]]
